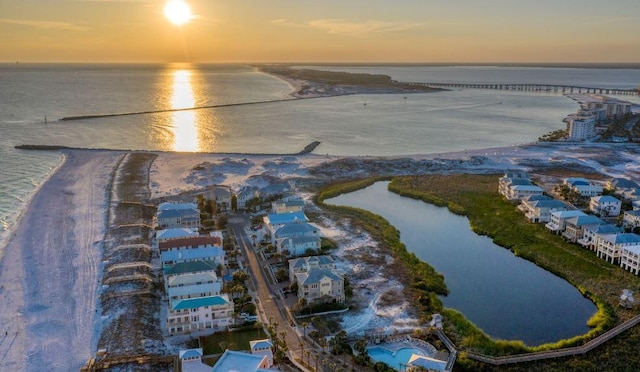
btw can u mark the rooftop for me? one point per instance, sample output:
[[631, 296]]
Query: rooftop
[[194, 303], [237, 361]]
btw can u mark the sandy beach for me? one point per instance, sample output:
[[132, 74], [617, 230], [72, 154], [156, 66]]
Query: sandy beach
[[51, 269]]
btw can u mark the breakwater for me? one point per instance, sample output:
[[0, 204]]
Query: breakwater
[[108, 115], [306, 150]]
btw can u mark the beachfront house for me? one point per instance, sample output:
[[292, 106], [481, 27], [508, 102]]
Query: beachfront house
[[631, 219], [262, 348], [208, 253], [238, 361], [288, 205], [558, 220], [605, 205], [318, 285], [192, 285], [538, 209], [591, 234], [177, 215], [190, 267], [173, 234], [213, 313], [610, 246], [298, 245], [304, 264], [192, 242], [574, 227]]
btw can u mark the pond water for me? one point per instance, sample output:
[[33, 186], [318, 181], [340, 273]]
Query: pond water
[[506, 296]]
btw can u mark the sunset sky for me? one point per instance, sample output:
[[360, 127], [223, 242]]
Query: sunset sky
[[322, 31]]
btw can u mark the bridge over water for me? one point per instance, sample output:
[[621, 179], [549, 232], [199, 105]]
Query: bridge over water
[[552, 88]]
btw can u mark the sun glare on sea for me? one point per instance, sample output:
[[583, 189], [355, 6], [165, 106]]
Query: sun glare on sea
[[185, 128], [177, 12]]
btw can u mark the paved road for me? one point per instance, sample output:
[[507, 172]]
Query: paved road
[[274, 309]]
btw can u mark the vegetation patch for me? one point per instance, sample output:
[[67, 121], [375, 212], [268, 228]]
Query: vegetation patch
[[489, 214]]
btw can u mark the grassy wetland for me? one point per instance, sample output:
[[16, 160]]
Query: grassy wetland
[[476, 197]]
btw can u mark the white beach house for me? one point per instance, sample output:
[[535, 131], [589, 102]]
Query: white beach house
[[320, 286], [610, 246], [605, 205], [558, 220], [591, 235]]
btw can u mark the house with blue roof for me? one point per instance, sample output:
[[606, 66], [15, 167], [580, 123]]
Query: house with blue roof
[[591, 234], [208, 253], [262, 347], [538, 209], [304, 264], [619, 185], [213, 313], [575, 226], [175, 215], [277, 220], [610, 246], [558, 220], [298, 245], [605, 205], [318, 285], [191, 361], [576, 181], [171, 234], [295, 230], [510, 179], [238, 361]]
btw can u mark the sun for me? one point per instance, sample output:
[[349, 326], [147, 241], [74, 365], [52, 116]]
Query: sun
[[177, 12]]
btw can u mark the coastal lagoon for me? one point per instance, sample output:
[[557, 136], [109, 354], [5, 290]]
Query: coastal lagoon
[[387, 125], [504, 295]]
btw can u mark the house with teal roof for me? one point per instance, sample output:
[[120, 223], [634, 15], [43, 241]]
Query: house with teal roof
[[213, 313], [238, 361]]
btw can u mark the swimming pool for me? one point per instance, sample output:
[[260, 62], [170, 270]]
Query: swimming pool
[[401, 356]]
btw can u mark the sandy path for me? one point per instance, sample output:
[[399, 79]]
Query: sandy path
[[50, 271]]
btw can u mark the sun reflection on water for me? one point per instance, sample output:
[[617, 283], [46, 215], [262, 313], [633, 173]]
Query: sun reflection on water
[[185, 123]]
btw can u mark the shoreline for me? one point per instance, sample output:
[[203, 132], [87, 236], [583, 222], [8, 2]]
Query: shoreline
[[50, 268]]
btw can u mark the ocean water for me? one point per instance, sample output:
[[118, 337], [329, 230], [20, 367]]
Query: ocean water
[[387, 125]]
